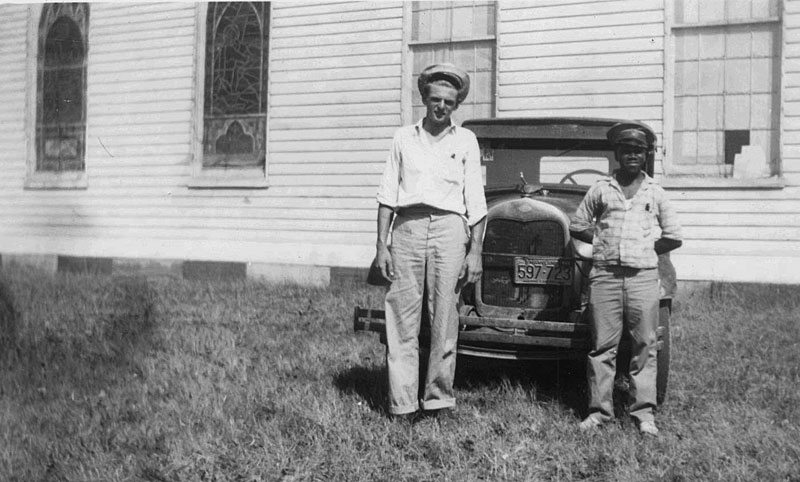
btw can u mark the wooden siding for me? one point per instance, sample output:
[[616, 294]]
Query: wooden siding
[[600, 59], [334, 105], [606, 59], [335, 100], [751, 235], [13, 42]]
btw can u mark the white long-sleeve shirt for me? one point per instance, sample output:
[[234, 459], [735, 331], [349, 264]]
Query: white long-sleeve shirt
[[445, 175]]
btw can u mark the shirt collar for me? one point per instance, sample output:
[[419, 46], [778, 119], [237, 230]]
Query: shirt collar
[[419, 129], [646, 182]]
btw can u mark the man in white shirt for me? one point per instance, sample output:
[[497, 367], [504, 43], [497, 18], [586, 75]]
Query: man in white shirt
[[433, 190]]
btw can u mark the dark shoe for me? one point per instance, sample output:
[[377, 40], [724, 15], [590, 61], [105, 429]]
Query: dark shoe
[[441, 414], [408, 418]]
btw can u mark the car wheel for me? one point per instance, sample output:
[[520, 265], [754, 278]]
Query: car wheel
[[662, 376]]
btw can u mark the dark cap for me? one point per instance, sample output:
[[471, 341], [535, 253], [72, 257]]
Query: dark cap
[[448, 72], [631, 134]]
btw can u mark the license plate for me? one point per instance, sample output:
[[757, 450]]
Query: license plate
[[542, 270]]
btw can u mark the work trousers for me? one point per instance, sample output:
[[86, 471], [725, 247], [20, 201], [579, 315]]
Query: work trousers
[[428, 249], [620, 293]]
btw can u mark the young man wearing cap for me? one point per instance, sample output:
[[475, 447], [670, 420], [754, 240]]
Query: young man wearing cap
[[629, 222], [432, 189]]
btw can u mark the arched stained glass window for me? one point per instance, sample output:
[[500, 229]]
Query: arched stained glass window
[[235, 100], [61, 99]]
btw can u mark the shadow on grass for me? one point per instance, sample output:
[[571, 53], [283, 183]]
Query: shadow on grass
[[57, 334], [72, 342], [367, 382], [557, 381], [562, 382]]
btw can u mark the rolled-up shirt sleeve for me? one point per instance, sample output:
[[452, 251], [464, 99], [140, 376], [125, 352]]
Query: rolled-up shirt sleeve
[[474, 197], [667, 217], [583, 218], [390, 182]]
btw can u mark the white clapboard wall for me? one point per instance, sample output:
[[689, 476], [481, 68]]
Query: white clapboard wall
[[606, 59], [335, 101], [336, 94]]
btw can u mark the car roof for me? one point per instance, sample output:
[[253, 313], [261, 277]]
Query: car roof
[[545, 127]]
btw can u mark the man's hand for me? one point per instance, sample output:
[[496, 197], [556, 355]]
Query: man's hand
[[383, 259], [472, 268]]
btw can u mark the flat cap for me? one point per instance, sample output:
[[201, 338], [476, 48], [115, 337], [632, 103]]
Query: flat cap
[[631, 134], [448, 72]]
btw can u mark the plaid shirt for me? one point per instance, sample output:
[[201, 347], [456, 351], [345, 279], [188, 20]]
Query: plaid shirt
[[625, 235]]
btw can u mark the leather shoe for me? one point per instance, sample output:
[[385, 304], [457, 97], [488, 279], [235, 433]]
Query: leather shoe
[[446, 413], [409, 418]]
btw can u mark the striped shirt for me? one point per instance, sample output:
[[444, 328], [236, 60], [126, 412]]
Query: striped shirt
[[626, 235], [445, 175]]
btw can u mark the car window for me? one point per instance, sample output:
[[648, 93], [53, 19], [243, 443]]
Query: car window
[[545, 164]]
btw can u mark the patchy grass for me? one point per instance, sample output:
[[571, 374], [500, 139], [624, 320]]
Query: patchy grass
[[125, 379]]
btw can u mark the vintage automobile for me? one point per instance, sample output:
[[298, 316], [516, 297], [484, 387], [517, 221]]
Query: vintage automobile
[[531, 302]]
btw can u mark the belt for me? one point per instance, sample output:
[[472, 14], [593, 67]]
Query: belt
[[422, 210]]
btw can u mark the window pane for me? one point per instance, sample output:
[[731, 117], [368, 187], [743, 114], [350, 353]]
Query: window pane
[[765, 79], [685, 147], [737, 43], [709, 112], [234, 125], [686, 78], [685, 11], [737, 76], [61, 115], [686, 47], [464, 56], [463, 22], [711, 11], [685, 113], [712, 44], [476, 57], [761, 111], [738, 9], [736, 87], [486, 21], [764, 42], [737, 112], [235, 61], [712, 76], [710, 148]]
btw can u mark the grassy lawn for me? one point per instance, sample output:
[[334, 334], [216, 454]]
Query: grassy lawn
[[124, 379]]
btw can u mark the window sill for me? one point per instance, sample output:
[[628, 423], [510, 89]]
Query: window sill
[[57, 180], [699, 182], [229, 179]]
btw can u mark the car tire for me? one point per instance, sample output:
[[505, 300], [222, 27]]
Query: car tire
[[662, 375]]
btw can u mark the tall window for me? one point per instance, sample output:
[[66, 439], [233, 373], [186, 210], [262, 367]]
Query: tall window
[[61, 87], [727, 85], [235, 89], [462, 33]]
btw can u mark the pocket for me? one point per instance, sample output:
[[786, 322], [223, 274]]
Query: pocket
[[453, 169], [646, 223]]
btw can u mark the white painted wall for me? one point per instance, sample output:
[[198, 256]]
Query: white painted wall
[[335, 101], [336, 90]]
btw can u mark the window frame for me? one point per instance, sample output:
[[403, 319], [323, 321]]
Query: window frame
[[36, 179], [407, 70], [239, 178], [686, 176]]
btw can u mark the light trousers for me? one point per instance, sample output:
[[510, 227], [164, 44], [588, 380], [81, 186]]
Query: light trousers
[[428, 249], [620, 293]]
